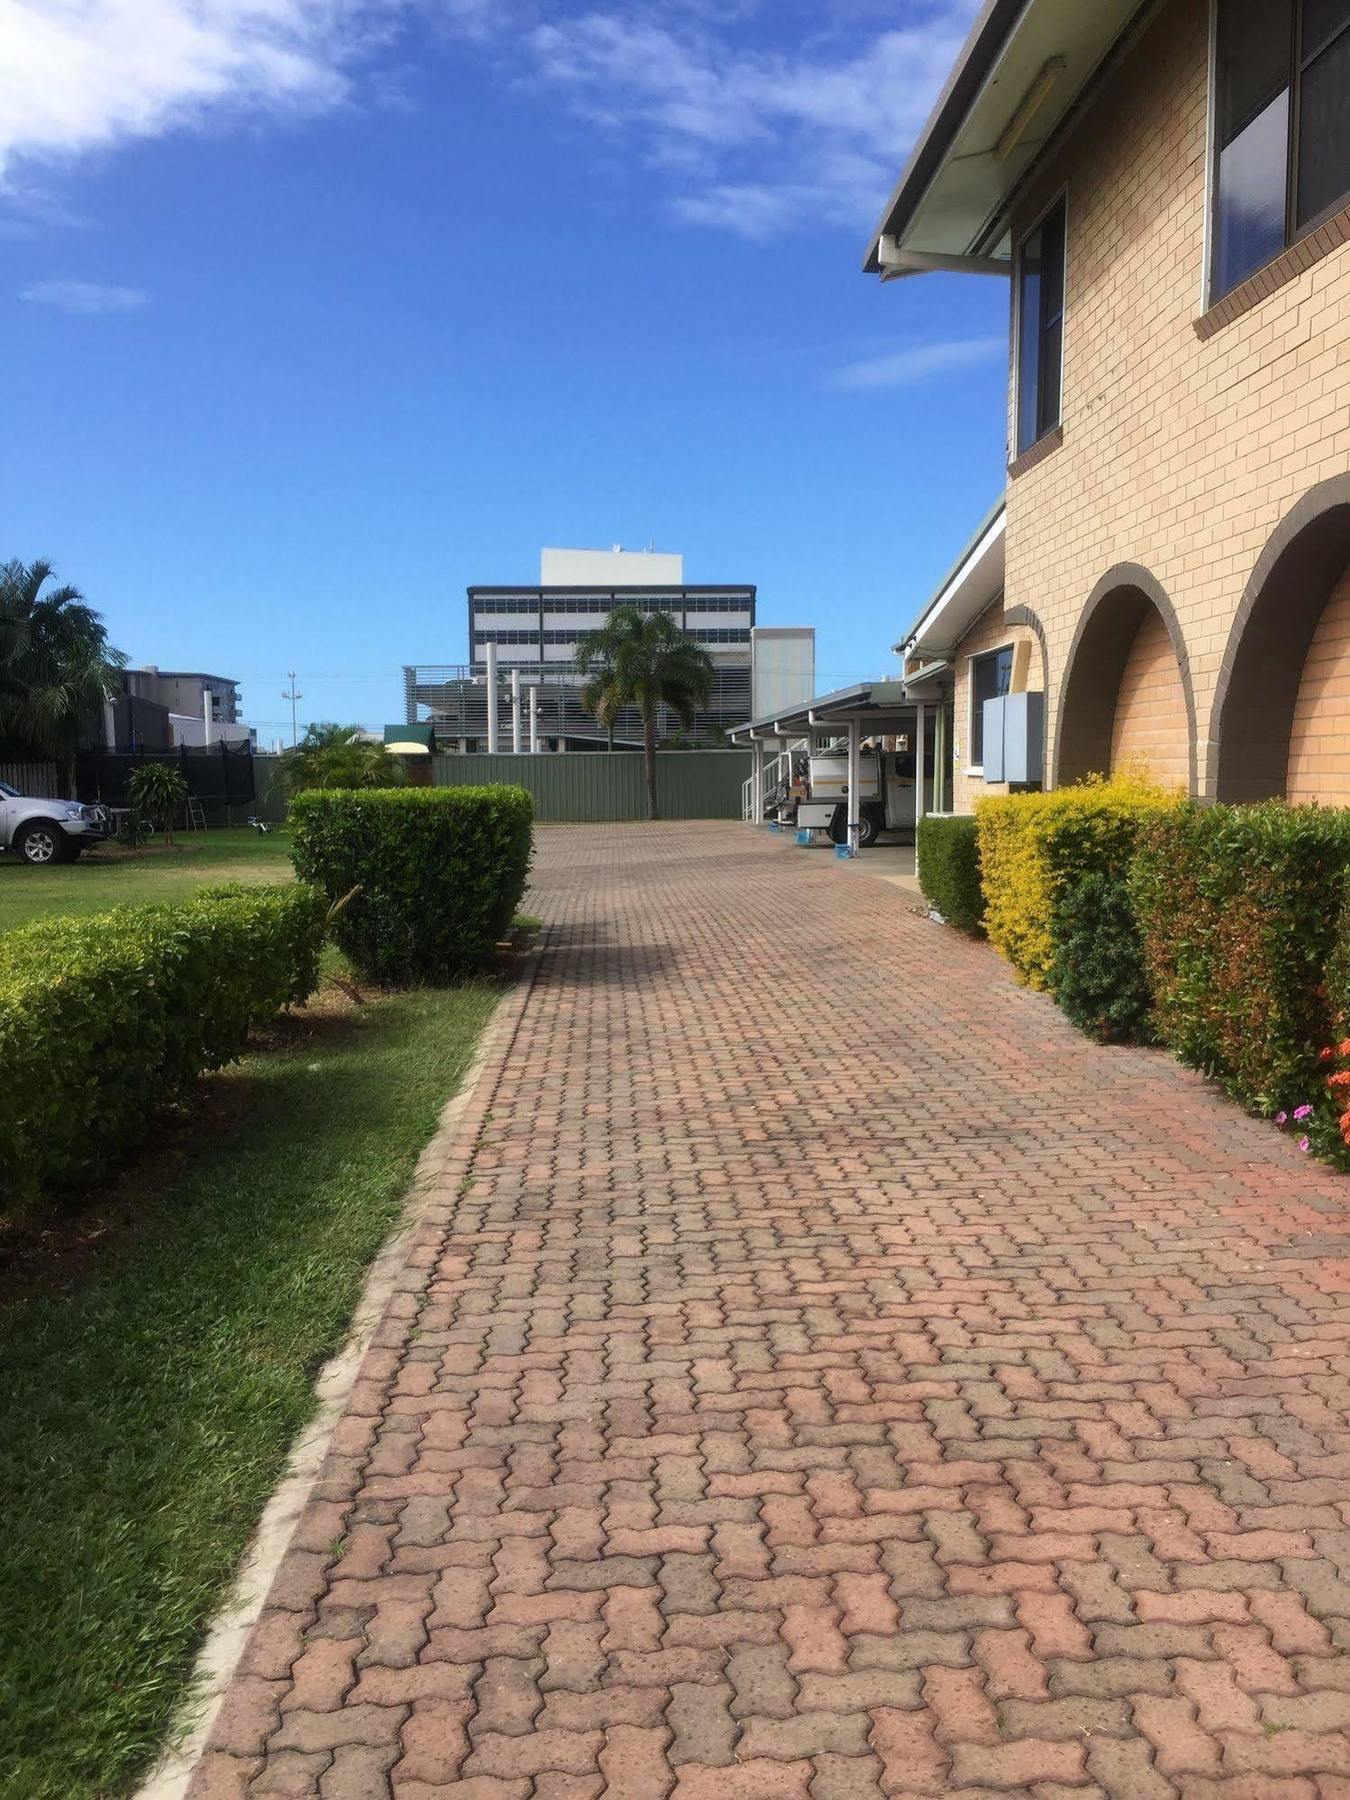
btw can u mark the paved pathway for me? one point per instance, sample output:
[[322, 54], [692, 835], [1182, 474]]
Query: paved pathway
[[831, 1377]]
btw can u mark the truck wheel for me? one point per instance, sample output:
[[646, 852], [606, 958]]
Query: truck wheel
[[41, 843], [869, 830]]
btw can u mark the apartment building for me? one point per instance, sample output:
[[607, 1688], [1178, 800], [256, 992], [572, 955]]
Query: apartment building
[[1166, 189], [163, 709]]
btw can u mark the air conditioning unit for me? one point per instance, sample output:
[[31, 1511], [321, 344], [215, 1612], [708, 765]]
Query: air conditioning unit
[[1014, 739]]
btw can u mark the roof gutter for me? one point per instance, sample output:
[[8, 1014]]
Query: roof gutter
[[893, 263]]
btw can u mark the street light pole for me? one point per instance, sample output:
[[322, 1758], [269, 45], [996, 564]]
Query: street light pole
[[293, 694]]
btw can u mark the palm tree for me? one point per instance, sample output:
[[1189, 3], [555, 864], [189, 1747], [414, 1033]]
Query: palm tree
[[600, 698], [337, 756], [644, 660], [56, 665]]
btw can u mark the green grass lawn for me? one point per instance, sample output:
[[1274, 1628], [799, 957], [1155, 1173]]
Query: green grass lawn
[[147, 1406], [113, 876]]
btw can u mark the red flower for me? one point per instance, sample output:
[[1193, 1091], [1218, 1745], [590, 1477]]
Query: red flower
[[1326, 1054]]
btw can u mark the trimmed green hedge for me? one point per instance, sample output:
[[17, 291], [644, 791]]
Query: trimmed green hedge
[[1099, 978], [949, 869], [103, 1019], [1240, 909], [435, 874]]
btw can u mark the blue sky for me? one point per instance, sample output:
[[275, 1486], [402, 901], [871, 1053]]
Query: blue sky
[[315, 311]]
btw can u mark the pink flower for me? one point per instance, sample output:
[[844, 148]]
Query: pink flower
[[1302, 1112], [1304, 1145], [1282, 1118]]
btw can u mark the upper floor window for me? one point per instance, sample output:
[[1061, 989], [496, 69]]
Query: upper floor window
[[1282, 128], [1040, 328]]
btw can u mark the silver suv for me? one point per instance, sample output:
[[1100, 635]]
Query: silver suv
[[48, 831]]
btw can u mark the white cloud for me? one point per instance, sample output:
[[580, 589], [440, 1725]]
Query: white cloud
[[86, 297], [753, 114], [763, 137], [80, 75], [904, 368]]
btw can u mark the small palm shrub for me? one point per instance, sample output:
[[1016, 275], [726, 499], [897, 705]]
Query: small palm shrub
[[337, 756], [158, 793]]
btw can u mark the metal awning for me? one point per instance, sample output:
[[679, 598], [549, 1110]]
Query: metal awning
[[876, 709], [871, 703]]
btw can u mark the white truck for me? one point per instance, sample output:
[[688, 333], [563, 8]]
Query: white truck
[[886, 799], [48, 831]]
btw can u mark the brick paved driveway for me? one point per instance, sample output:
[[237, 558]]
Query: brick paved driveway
[[831, 1377]]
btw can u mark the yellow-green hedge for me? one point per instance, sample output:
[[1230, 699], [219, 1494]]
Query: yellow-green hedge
[[1033, 847]]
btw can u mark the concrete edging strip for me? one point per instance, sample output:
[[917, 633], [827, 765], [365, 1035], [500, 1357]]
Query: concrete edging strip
[[228, 1633]]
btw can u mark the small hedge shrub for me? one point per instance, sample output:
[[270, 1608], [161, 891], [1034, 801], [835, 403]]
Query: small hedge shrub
[[949, 870], [1240, 909], [103, 1019], [437, 872], [1034, 847], [1099, 977]]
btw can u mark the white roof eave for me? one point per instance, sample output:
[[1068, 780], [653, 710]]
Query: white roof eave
[[1021, 75], [975, 581]]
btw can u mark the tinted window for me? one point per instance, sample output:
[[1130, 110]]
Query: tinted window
[[1252, 194], [1040, 325], [1324, 128], [1322, 21], [1254, 58], [1029, 343], [990, 676], [1282, 127]]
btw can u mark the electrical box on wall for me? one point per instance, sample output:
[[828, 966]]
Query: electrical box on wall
[[1014, 739]]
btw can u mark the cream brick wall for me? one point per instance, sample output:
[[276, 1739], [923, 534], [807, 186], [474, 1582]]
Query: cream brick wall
[[1149, 730], [1179, 454], [989, 632], [1319, 749]]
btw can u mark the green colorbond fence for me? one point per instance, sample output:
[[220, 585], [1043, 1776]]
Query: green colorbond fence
[[578, 786], [595, 786]]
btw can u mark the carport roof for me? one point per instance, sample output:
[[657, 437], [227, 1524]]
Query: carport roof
[[865, 700]]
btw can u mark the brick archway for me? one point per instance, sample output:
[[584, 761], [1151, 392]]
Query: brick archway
[[1128, 633], [1023, 615], [1252, 721]]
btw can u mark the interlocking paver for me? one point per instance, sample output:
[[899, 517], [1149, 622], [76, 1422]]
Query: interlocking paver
[[833, 1377]]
